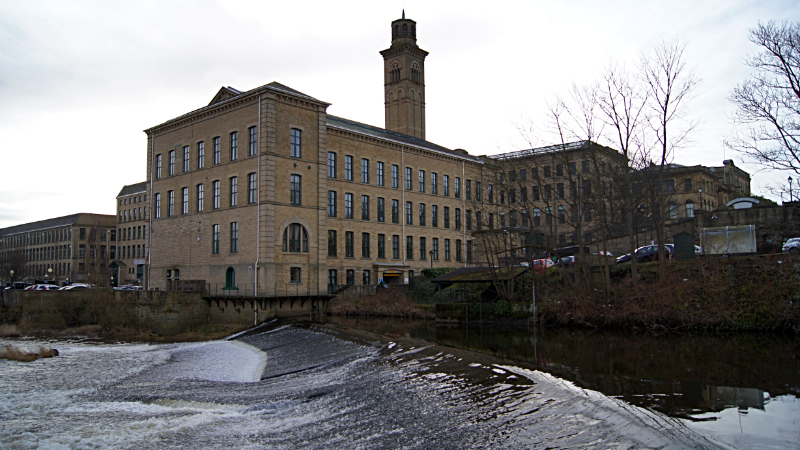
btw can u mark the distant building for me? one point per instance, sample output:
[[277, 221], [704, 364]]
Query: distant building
[[129, 260], [74, 248]]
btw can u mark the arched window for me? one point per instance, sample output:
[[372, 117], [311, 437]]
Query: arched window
[[689, 208], [416, 74], [295, 239], [230, 278], [673, 210], [394, 73]]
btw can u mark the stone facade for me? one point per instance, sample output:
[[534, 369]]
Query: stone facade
[[74, 248], [129, 258]]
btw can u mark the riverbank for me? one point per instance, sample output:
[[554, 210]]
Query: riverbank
[[753, 293]]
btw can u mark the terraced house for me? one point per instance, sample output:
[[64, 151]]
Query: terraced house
[[263, 191]]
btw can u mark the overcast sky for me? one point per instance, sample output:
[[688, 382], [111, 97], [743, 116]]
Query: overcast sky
[[80, 80]]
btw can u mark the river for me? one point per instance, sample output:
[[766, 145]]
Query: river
[[376, 384]]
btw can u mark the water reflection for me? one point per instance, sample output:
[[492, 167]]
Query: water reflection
[[682, 375]]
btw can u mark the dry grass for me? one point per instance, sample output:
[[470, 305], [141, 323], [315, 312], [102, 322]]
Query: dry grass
[[383, 304], [13, 353], [9, 330]]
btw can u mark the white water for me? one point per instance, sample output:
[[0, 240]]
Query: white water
[[319, 392]]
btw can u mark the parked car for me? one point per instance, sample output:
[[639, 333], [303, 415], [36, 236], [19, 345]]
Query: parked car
[[568, 261], [648, 253], [541, 265], [42, 287], [75, 286], [791, 246], [129, 288]]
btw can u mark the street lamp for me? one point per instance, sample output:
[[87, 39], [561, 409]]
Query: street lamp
[[431, 254], [11, 272], [49, 273], [790, 189]]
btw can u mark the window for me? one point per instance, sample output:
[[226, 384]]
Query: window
[[396, 246], [585, 166], [422, 181], [217, 158], [348, 206], [408, 178], [422, 253], [446, 185], [364, 170], [365, 277], [435, 249], [186, 158], [395, 182], [251, 188], [468, 215], [365, 245], [687, 186], [348, 244], [331, 242], [234, 182], [447, 249], [348, 168], [547, 172], [201, 154], [562, 215], [422, 214], [512, 220], [381, 210], [469, 189], [364, 207], [548, 215], [380, 173], [171, 166], [409, 247], [158, 206], [434, 184], [295, 239], [234, 237], [294, 275], [458, 250], [560, 190], [331, 165], [252, 148], [296, 151], [333, 278], [434, 216], [447, 217], [234, 146], [382, 246], [409, 214], [158, 166], [669, 185], [512, 177], [477, 191], [185, 205], [351, 277], [331, 203], [689, 208], [512, 196], [457, 187], [559, 170], [537, 217], [216, 193], [458, 219], [469, 251], [395, 211], [171, 206], [295, 190], [573, 168]]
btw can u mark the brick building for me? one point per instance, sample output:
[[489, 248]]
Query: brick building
[[129, 259], [264, 188], [74, 248]]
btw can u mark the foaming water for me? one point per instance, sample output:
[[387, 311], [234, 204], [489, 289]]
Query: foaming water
[[300, 387]]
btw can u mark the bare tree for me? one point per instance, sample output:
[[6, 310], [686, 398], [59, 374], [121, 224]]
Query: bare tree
[[669, 85], [768, 102], [621, 102]]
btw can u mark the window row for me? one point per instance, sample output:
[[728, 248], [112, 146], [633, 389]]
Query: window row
[[394, 212], [396, 249], [44, 237], [131, 233], [233, 238], [549, 172], [199, 193], [424, 181], [132, 214], [183, 158], [132, 200]]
